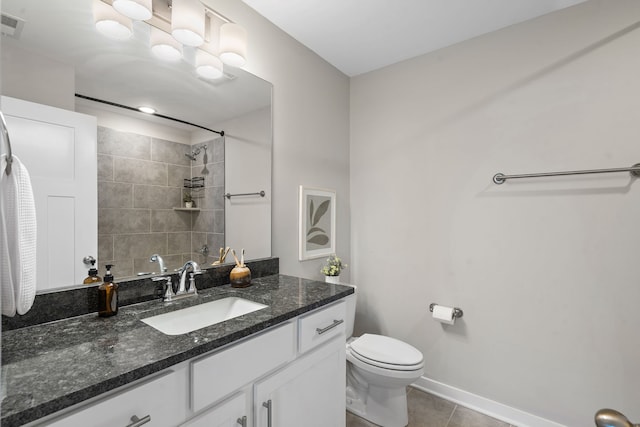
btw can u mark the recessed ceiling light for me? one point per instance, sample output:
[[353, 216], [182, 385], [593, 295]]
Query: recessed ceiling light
[[147, 110]]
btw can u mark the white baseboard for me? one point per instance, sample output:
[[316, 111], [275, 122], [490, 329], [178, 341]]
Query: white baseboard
[[483, 405]]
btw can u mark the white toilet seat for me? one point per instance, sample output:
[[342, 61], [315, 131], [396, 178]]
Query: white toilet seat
[[386, 353]]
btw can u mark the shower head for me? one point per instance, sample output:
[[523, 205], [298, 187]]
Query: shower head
[[195, 152], [612, 418]]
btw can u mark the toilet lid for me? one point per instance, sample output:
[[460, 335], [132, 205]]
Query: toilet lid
[[387, 350]]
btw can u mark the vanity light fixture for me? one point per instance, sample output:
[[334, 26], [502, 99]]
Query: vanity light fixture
[[174, 25], [147, 110], [188, 22], [111, 23], [208, 66], [233, 44], [138, 10], [164, 46]]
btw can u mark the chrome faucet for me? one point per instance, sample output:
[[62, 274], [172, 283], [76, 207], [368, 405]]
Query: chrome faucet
[[192, 269], [157, 258], [195, 269]]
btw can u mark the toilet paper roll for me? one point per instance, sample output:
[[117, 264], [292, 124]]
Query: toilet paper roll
[[444, 314]]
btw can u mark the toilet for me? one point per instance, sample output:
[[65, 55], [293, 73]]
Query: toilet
[[379, 369]]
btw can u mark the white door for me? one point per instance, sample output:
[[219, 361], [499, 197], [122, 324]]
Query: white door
[[309, 392], [59, 149]]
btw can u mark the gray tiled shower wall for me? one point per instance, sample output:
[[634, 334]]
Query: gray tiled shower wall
[[140, 182]]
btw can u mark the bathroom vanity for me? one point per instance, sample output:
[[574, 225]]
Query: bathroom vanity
[[275, 366]]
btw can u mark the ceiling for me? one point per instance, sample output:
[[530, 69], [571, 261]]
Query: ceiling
[[357, 36]]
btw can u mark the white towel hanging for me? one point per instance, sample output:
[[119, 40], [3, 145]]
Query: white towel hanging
[[18, 238]]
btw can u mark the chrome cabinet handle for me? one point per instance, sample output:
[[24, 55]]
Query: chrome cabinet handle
[[137, 422], [328, 328], [242, 421], [267, 405]]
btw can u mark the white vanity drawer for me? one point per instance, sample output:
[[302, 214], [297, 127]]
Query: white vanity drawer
[[321, 326], [159, 400], [217, 375]]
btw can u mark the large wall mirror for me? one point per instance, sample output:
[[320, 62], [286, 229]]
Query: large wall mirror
[[144, 165]]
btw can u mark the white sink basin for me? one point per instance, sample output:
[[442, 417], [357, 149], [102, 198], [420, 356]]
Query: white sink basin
[[199, 316]]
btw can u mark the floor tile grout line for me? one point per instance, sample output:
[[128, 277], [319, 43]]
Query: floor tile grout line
[[451, 415]]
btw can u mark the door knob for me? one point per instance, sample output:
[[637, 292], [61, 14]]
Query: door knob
[[612, 418]]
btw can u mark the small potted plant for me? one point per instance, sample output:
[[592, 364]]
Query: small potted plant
[[332, 269], [188, 200]]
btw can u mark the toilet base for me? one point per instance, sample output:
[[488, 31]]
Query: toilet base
[[386, 407]]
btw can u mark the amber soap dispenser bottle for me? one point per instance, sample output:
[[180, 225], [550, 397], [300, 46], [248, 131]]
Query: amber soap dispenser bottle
[[108, 295], [93, 277]]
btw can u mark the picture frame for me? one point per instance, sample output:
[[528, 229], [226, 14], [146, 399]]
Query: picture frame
[[317, 222]]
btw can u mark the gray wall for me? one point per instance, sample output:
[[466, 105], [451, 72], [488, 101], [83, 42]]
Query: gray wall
[[310, 132], [546, 271]]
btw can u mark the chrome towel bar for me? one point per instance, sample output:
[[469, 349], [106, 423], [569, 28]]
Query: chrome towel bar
[[259, 193], [5, 132], [500, 178]]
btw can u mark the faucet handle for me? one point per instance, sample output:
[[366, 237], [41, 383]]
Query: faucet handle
[[168, 291]]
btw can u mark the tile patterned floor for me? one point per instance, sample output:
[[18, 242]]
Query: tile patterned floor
[[427, 410]]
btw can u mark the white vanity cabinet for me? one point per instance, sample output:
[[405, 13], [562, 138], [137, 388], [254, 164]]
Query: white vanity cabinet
[[290, 375]]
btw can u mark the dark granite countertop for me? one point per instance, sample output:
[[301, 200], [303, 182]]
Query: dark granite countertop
[[51, 366]]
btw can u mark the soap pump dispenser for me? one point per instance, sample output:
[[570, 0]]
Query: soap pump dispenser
[[93, 275], [108, 295]]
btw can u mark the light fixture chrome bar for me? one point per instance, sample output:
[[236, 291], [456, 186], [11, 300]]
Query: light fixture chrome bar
[[5, 132], [259, 193], [500, 178]]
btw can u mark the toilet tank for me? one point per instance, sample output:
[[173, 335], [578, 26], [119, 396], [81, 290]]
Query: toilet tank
[[351, 310]]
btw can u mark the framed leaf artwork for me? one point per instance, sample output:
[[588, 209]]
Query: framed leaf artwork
[[317, 222]]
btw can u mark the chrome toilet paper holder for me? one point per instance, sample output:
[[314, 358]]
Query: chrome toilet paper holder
[[457, 312]]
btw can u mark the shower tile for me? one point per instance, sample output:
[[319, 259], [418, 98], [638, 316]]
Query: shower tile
[[218, 150], [179, 243], [218, 221], [156, 197], [105, 168], [169, 152], [170, 220], [465, 417], [105, 247], [115, 195], [121, 268], [177, 175], [203, 221], [123, 144], [115, 221], [140, 172], [217, 175], [139, 245]]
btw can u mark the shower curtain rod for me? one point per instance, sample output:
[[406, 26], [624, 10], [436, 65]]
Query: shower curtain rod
[[634, 170], [126, 107]]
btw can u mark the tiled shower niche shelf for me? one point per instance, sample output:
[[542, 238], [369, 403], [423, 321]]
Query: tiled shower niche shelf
[[187, 209]]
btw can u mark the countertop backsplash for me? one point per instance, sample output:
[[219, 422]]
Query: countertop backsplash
[[80, 300]]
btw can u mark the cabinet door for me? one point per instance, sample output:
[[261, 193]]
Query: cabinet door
[[59, 149], [230, 413], [308, 392]]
